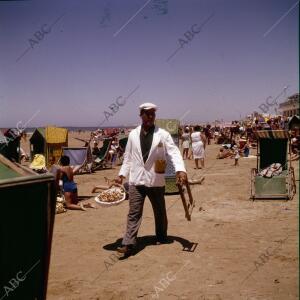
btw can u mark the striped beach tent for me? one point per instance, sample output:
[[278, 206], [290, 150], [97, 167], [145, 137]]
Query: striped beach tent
[[49, 142]]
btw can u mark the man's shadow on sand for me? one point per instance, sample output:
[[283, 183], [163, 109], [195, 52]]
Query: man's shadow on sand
[[150, 240]]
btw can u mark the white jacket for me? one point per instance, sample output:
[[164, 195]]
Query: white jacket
[[141, 173]]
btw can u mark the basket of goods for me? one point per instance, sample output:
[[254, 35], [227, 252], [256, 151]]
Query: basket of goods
[[60, 205], [113, 196]]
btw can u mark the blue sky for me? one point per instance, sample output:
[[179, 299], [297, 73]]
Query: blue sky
[[93, 56]]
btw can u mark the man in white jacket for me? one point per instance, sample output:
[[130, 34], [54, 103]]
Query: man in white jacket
[[143, 149]]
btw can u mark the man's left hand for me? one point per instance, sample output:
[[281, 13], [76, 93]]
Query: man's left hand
[[181, 177]]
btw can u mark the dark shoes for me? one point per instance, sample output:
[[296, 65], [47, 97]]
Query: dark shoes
[[126, 250], [163, 241]]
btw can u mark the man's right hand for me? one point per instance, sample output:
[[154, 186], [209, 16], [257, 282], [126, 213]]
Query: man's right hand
[[119, 179]]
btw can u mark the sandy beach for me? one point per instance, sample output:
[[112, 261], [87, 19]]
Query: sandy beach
[[240, 249]]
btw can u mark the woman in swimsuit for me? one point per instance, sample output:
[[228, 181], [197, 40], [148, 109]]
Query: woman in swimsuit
[[65, 173]]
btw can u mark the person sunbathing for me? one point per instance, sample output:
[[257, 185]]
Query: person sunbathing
[[112, 153], [66, 174], [95, 150]]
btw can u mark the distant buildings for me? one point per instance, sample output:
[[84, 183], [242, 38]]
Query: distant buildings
[[290, 107]]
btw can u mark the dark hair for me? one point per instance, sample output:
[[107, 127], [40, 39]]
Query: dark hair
[[197, 128], [142, 112], [65, 160], [145, 111]]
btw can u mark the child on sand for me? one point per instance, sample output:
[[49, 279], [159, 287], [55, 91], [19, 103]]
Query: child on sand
[[236, 155]]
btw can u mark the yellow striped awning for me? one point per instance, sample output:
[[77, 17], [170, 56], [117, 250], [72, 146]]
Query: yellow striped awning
[[272, 134]]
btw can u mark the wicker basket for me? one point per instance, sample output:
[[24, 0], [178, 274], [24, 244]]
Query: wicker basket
[[113, 187]]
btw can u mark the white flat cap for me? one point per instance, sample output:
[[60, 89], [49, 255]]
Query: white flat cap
[[147, 106]]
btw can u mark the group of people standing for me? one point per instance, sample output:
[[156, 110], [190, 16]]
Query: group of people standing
[[194, 142]]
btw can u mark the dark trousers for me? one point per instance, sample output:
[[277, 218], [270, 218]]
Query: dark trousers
[[137, 195]]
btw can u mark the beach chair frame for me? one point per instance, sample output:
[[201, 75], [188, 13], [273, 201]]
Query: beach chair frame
[[273, 145]]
